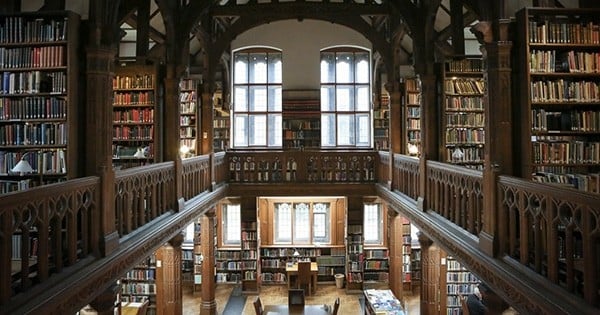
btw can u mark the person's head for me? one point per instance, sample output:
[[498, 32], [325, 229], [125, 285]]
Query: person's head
[[483, 289]]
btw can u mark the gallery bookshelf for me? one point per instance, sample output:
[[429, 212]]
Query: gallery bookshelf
[[412, 107], [301, 119], [559, 117], [456, 283], [39, 115], [139, 284], [188, 116], [136, 115], [272, 265], [249, 257], [406, 255], [221, 123], [331, 261], [355, 258], [463, 115], [381, 122], [228, 265]]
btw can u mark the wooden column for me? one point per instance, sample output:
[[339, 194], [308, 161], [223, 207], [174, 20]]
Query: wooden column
[[395, 245], [171, 128], [396, 118], [206, 123], [104, 304], [499, 125], [99, 120], [168, 278], [430, 276], [429, 132], [209, 304]]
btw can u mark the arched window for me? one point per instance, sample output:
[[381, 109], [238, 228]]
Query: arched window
[[345, 97], [257, 98]]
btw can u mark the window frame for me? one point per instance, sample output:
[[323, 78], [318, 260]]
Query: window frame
[[380, 240], [293, 239], [268, 133], [334, 112], [223, 238]]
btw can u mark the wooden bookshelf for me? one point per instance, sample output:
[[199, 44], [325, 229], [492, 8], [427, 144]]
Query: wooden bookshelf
[[463, 115], [415, 267], [559, 117], [249, 257], [228, 265], [139, 284], [456, 283], [39, 105], [331, 261], [301, 119], [381, 122], [406, 254], [136, 108], [355, 258], [412, 107], [189, 109], [221, 123], [377, 265]]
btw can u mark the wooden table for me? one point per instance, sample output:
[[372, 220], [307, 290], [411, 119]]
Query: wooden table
[[295, 310], [292, 270]]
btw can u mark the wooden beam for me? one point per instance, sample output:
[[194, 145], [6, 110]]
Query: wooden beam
[[143, 30], [53, 5], [457, 25]]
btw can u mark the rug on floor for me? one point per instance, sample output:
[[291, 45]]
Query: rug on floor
[[236, 302]]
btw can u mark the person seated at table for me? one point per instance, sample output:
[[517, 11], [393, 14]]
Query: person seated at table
[[475, 300]]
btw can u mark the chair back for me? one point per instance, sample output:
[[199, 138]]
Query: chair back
[[295, 298], [304, 275], [336, 306], [258, 308]]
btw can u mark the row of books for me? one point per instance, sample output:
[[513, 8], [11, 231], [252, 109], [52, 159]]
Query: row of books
[[187, 121], [273, 277], [133, 132], [464, 86], [221, 123], [249, 235], [331, 260], [561, 90], [141, 274], [188, 108], [376, 276], [465, 119], [545, 120], [462, 289], [128, 151], [133, 98], [464, 136], [188, 97], [33, 107], [32, 57], [31, 82], [19, 29], [329, 271], [54, 133], [376, 253], [228, 265], [141, 115], [249, 275], [138, 81], [17, 247], [380, 124], [248, 245], [464, 103], [466, 154], [376, 265], [248, 264], [187, 132], [7, 186], [228, 255], [463, 276], [138, 288], [465, 65], [51, 161], [585, 182], [564, 32], [414, 135], [414, 99], [567, 152], [413, 112], [273, 263], [549, 61]]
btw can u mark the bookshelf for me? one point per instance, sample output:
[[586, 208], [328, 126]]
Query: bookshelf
[[377, 265], [381, 122], [406, 254], [198, 257], [558, 94], [415, 267], [355, 258], [463, 117], [301, 119], [39, 110], [272, 265], [331, 261], [187, 263], [188, 116], [412, 106], [139, 284], [458, 283], [249, 256], [228, 265], [136, 108], [221, 123]]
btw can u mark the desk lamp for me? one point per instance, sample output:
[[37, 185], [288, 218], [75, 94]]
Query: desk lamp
[[23, 166]]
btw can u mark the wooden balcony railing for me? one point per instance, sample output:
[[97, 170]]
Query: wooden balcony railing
[[552, 231]]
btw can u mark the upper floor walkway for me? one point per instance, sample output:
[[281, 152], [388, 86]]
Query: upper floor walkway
[[536, 245]]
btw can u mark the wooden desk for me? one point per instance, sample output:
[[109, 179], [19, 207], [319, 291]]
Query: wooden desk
[[292, 270], [286, 310], [134, 308], [382, 302]]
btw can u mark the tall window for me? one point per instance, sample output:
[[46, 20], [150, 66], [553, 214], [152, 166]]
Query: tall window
[[373, 224], [257, 98], [345, 97], [293, 224], [231, 224]]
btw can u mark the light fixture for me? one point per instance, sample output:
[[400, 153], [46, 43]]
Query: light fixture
[[184, 150], [23, 166], [296, 254], [458, 154], [413, 149], [139, 153]]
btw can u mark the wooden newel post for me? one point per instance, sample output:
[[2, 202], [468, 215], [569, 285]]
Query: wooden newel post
[[208, 305]]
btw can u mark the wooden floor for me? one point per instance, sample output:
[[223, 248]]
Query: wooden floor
[[350, 304]]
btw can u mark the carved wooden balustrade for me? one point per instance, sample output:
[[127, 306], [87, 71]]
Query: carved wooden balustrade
[[195, 176], [302, 166], [554, 232], [406, 175], [220, 166], [456, 193], [142, 194], [45, 229]]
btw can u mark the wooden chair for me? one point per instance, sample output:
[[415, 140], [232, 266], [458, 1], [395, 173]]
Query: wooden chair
[[258, 307], [295, 298], [336, 306], [304, 276]]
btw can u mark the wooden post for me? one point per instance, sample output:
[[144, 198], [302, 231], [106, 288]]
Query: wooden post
[[168, 278], [207, 243], [171, 128], [430, 276]]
